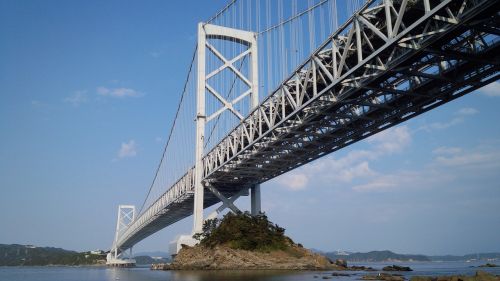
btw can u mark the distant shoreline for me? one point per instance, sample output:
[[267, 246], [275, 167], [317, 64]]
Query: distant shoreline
[[12, 255], [389, 256]]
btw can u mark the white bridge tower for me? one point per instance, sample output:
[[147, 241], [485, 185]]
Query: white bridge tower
[[251, 80], [126, 216]]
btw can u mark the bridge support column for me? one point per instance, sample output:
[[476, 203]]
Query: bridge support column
[[200, 131], [255, 199], [207, 34]]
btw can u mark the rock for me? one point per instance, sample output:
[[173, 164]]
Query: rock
[[225, 258], [383, 276], [341, 262], [395, 278], [488, 265], [340, 274], [360, 268], [326, 277], [160, 266], [397, 268]]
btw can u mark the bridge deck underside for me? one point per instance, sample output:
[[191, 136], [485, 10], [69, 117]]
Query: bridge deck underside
[[341, 118], [446, 66]]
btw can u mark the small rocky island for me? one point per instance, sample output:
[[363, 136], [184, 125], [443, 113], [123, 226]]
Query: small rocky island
[[396, 268], [489, 265], [242, 241]]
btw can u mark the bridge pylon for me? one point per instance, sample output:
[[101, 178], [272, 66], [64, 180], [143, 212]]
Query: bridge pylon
[[251, 79], [126, 216]]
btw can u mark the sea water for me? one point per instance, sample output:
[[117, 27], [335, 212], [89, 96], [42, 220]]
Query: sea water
[[53, 273]]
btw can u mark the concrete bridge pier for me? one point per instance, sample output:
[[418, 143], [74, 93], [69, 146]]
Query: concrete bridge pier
[[255, 199]]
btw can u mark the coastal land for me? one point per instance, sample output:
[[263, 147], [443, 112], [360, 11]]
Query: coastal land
[[237, 241], [478, 276], [29, 255], [295, 256], [242, 241], [388, 256]]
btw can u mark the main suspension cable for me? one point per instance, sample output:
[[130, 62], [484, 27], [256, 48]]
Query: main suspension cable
[[171, 128]]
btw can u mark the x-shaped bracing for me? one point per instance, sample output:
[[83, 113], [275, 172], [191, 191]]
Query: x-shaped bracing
[[227, 64], [226, 202]]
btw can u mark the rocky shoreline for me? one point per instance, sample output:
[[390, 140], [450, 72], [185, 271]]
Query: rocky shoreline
[[226, 258], [384, 276], [294, 258]]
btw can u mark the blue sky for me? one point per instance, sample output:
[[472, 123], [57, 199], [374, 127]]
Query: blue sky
[[87, 95]]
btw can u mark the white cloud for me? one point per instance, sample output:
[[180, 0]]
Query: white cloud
[[473, 159], [118, 92], [37, 103], [355, 171], [381, 184], [467, 111], [354, 166], [77, 98], [459, 118], [158, 139], [294, 181], [491, 90], [447, 150], [155, 54], [443, 125], [344, 169], [392, 140], [428, 177], [448, 166], [127, 149], [40, 106]]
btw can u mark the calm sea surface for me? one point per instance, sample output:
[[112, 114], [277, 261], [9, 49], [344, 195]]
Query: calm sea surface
[[145, 274]]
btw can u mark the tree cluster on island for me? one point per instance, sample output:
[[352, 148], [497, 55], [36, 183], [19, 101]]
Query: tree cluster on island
[[244, 231]]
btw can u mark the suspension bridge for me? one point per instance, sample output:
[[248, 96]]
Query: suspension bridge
[[275, 84]]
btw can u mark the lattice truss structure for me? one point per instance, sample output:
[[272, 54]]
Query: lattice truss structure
[[391, 61]]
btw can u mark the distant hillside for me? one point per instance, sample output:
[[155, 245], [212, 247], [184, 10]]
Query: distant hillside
[[150, 260], [375, 256], [16, 255], [381, 256], [479, 256], [154, 254]]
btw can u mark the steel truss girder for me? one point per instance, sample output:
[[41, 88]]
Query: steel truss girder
[[181, 191], [329, 69]]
